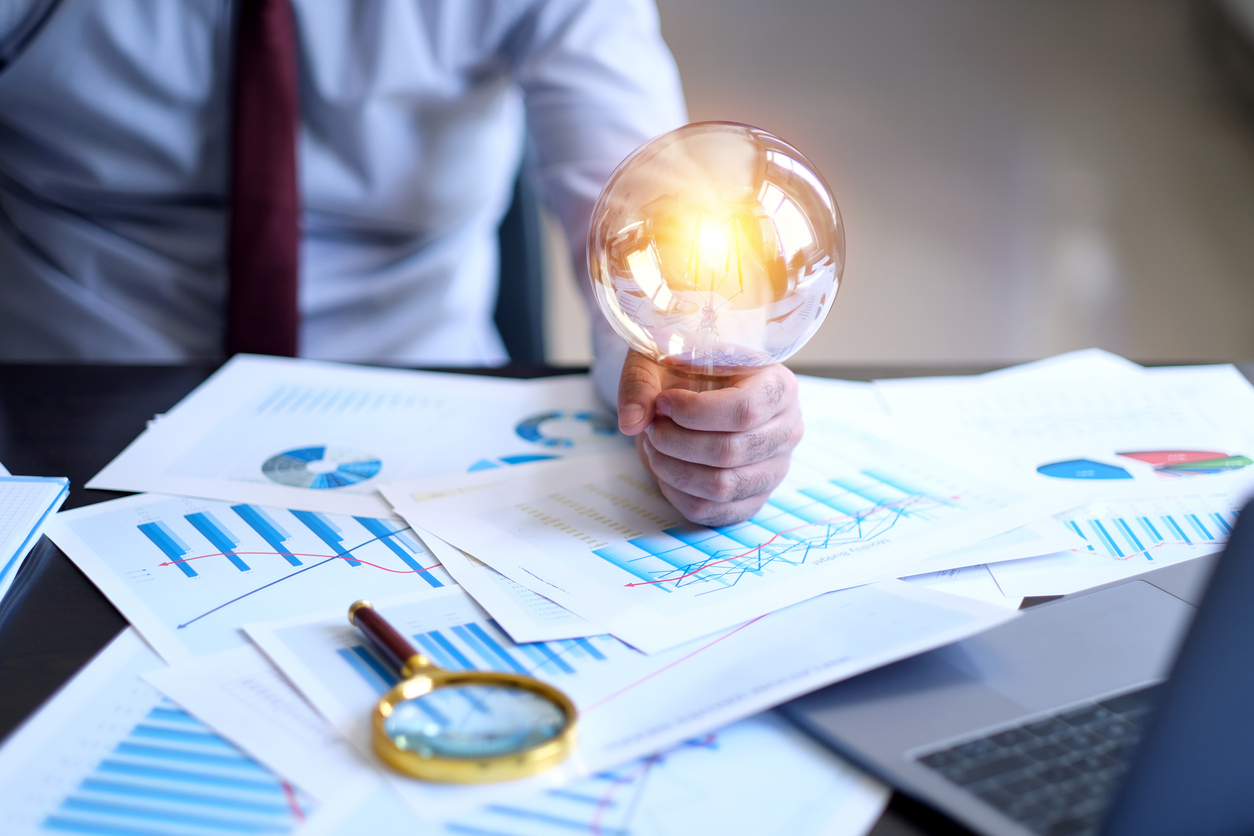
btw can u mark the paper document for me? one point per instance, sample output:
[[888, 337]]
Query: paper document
[[187, 573], [1111, 430], [322, 436], [758, 776], [974, 582], [1166, 455], [243, 697], [630, 704], [26, 504], [1124, 536], [597, 537], [110, 755], [1042, 537], [850, 401], [526, 616], [1063, 366]]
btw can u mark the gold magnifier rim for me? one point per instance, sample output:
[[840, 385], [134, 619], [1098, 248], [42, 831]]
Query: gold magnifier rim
[[545, 755]]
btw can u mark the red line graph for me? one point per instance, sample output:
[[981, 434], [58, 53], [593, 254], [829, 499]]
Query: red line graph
[[289, 792], [827, 521], [604, 802], [644, 679], [299, 554], [637, 776]]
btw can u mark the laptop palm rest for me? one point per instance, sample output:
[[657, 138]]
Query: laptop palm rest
[[1055, 654]]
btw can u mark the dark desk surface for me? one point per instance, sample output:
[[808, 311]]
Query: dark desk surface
[[71, 421]]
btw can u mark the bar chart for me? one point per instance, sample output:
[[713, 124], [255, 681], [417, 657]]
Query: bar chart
[[390, 534], [483, 645], [1131, 536], [171, 774], [685, 790], [195, 571], [109, 755], [853, 508], [1118, 538]]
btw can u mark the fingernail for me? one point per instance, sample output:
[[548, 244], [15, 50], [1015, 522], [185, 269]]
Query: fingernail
[[663, 405], [629, 416]]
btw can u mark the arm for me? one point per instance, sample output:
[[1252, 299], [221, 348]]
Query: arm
[[598, 82]]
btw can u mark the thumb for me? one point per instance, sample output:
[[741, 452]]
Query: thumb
[[637, 390]]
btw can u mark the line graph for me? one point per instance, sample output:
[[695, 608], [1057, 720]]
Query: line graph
[[325, 557], [328, 559], [598, 537], [200, 569], [686, 790], [845, 510], [389, 533]]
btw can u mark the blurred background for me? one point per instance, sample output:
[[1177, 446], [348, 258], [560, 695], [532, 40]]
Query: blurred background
[[1017, 179]]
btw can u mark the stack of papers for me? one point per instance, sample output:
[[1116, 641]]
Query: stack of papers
[[26, 504], [506, 525], [1161, 457]]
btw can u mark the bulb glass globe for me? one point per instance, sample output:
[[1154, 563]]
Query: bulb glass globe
[[716, 249]]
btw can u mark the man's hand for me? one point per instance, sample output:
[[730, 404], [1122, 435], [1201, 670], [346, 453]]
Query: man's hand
[[715, 455]]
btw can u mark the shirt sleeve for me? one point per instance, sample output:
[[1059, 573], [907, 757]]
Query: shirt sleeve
[[598, 81]]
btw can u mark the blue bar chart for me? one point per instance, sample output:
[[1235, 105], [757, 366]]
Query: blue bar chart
[[1129, 536], [269, 530], [401, 544], [170, 544], [170, 774], [224, 541], [483, 645], [1121, 537], [793, 523], [326, 531], [686, 790], [203, 568]]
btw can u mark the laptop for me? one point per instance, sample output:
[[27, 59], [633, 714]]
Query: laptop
[[1126, 709]]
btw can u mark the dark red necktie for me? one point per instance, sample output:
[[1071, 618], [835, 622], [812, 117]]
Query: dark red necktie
[[263, 260]]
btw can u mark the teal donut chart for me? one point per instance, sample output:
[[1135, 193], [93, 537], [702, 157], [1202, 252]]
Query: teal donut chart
[[321, 468]]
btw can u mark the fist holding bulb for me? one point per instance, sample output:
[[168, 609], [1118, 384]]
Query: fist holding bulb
[[715, 252]]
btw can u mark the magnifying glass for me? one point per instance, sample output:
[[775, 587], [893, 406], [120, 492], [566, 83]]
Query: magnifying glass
[[462, 727]]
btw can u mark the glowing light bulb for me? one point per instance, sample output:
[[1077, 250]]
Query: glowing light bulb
[[716, 249]]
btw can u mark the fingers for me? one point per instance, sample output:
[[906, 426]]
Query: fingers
[[778, 436], [735, 500], [715, 455], [713, 495], [749, 403], [637, 391]]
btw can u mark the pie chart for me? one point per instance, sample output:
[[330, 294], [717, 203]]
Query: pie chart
[[565, 429], [321, 468], [1190, 462], [1164, 462], [1083, 469]]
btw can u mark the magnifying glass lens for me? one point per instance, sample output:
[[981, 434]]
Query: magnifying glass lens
[[469, 721]]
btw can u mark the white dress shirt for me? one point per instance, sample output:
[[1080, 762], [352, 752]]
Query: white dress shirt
[[114, 138]]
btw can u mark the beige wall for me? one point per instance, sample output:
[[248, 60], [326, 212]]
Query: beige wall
[[1017, 178]]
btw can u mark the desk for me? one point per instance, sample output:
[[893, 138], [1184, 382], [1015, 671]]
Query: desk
[[72, 420]]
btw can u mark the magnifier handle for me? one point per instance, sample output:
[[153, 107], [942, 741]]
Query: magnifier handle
[[387, 639]]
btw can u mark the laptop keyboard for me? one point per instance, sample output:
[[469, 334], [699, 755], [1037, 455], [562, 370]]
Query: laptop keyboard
[[1055, 776]]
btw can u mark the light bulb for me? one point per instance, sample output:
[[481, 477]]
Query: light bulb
[[716, 249]]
